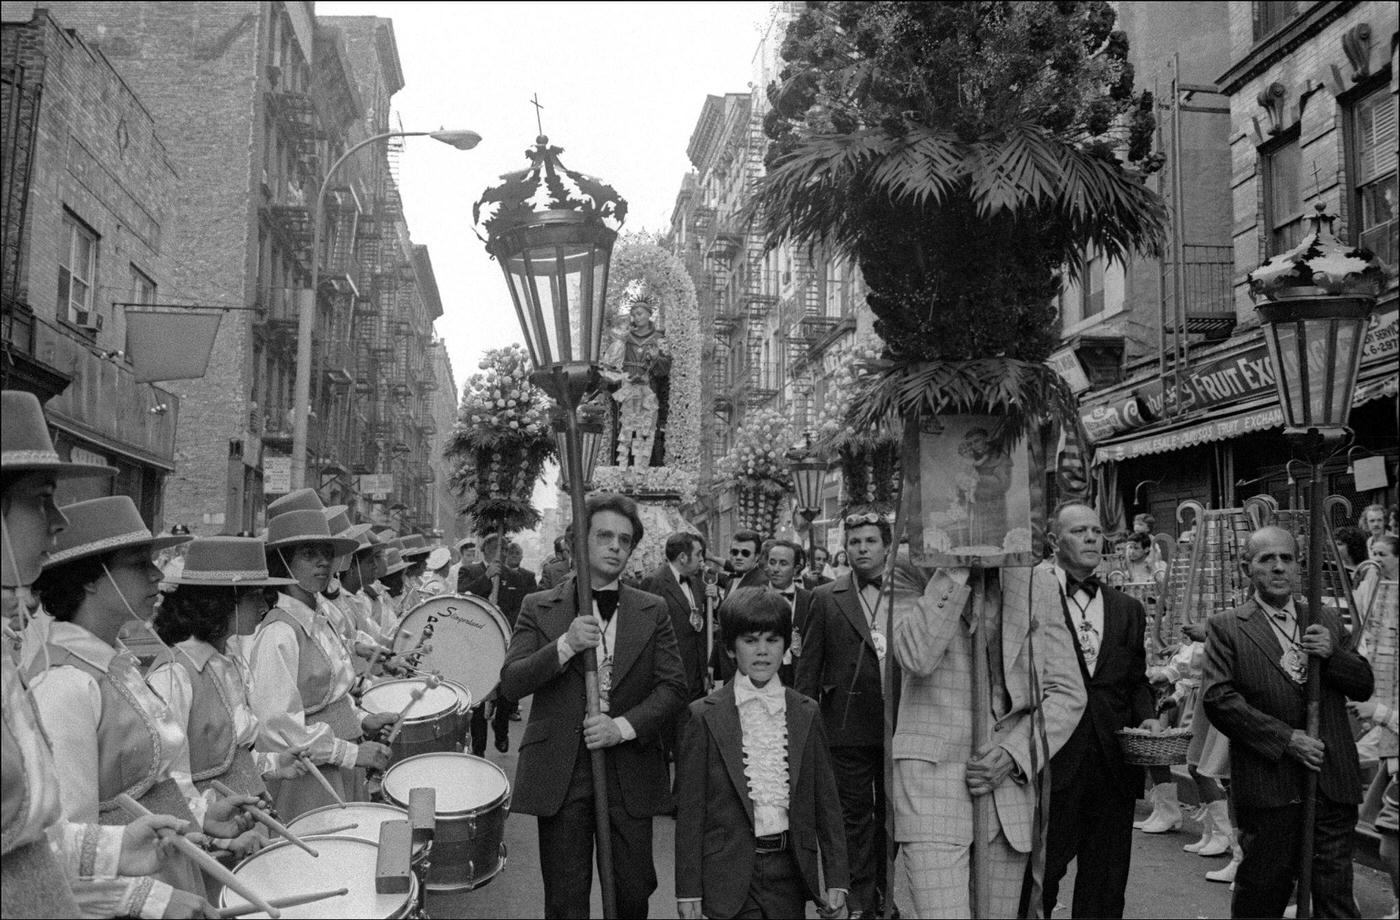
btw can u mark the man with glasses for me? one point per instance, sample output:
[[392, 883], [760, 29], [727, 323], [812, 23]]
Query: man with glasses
[[842, 667], [743, 561]]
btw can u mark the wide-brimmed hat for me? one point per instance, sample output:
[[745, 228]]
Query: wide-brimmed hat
[[338, 520], [414, 546], [293, 528], [25, 445], [296, 500], [463, 543], [236, 562], [393, 561], [104, 525]]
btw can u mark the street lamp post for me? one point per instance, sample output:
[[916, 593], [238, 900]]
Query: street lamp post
[[306, 315], [553, 230], [1314, 303], [808, 470]]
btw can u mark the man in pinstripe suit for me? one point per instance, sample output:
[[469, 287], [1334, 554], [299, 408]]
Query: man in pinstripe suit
[[1256, 694], [937, 771]]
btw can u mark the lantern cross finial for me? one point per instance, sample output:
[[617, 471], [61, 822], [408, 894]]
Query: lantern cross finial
[[539, 124]]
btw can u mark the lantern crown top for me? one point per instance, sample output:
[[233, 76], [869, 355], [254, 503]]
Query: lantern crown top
[[1320, 265], [547, 185]]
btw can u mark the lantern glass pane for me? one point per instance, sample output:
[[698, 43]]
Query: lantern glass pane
[[1291, 373], [554, 279], [1345, 366], [527, 310]]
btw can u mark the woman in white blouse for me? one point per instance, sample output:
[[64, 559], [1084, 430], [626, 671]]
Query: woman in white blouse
[[49, 867], [111, 733], [217, 600], [301, 673]]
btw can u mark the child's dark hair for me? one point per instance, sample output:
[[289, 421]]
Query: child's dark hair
[[201, 611], [754, 610]]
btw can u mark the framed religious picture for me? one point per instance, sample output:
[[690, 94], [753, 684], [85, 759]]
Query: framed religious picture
[[976, 497]]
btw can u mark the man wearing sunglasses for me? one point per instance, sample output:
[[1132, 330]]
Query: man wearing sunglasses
[[841, 667], [744, 561]]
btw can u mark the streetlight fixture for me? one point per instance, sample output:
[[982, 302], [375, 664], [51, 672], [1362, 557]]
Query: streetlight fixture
[[591, 431], [1314, 303], [553, 230], [306, 316], [808, 471]]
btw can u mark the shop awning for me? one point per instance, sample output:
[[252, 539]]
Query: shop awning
[[1375, 382]]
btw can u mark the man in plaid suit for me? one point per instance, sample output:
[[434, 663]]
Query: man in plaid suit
[[1256, 694], [937, 771]]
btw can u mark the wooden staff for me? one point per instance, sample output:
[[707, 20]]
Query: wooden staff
[[710, 578], [266, 820], [321, 778], [206, 862], [429, 683], [240, 910], [983, 806]]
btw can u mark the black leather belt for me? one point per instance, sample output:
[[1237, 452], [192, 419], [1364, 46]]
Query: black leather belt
[[771, 843]]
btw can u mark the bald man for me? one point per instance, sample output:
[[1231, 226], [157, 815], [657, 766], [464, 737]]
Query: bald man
[[1255, 683]]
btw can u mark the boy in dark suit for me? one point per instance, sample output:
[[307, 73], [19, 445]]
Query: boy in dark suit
[[757, 796]]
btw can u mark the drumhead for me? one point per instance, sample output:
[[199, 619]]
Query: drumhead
[[394, 695], [367, 815], [468, 636], [283, 870], [464, 783]]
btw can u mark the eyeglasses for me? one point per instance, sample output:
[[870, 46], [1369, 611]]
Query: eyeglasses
[[741, 553], [869, 517]]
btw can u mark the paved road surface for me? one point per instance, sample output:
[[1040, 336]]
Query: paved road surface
[[1166, 882]]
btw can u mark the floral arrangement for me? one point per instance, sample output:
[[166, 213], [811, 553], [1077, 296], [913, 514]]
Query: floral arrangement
[[639, 261], [871, 471], [500, 443], [756, 467]]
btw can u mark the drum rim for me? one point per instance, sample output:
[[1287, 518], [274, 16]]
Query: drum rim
[[410, 896], [415, 720], [502, 799], [340, 809], [495, 613]]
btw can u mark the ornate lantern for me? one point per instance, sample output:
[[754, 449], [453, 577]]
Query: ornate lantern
[[553, 230], [1314, 303]]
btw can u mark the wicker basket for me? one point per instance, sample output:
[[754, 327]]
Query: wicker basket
[[1145, 749]]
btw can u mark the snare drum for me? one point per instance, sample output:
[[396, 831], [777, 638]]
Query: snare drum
[[431, 721], [473, 800], [283, 870], [468, 637], [464, 712]]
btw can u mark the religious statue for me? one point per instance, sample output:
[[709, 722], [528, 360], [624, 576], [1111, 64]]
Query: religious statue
[[639, 363]]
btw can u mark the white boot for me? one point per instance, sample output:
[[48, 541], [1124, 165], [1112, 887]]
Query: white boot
[[1151, 800], [1166, 816], [1219, 843], [1227, 874], [1203, 815]]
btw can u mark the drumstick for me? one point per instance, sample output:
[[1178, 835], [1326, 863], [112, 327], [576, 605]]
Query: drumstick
[[206, 862], [240, 910], [321, 778], [266, 820], [426, 648], [429, 683]]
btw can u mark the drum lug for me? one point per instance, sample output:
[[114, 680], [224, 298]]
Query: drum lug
[[504, 856], [471, 872], [471, 828]]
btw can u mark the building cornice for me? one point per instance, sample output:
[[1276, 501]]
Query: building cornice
[[1281, 43]]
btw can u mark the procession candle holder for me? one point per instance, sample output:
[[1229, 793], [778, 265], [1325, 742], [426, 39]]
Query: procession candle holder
[[552, 230], [808, 470], [1314, 303]]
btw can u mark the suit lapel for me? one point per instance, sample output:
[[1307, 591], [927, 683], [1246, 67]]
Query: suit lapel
[[798, 722], [631, 634], [1254, 623], [1015, 614], [848, 599], [728, 735], [673, 587]]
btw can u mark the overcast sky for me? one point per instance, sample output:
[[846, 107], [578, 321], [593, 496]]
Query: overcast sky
[[621, 84]]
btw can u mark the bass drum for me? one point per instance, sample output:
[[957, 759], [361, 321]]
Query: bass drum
[[468, 636]]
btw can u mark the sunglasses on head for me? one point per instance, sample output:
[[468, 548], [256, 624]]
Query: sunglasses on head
[[870, 517], [741, 553]]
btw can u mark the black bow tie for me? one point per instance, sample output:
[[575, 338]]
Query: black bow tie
[[1090, 585], [877, 582], [607, 603], [788, 594]]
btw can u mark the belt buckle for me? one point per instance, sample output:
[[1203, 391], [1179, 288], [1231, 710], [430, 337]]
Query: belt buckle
[[769, 846]]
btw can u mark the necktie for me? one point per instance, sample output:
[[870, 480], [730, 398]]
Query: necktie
[[788, 595], [606, 602], [1089, 585], [877, 582]]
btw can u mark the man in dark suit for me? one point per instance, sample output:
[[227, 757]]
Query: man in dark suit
[[1093, 791], [1255, 690], [556, 568], [675, 582], [501, 580], [814, 576], [843, 658], [745, 561], [554, 780]]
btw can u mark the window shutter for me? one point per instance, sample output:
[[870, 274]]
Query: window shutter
[[1375, 136]]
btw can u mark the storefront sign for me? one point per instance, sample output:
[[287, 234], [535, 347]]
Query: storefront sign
[[1221, 382], [277, 475], [377, 485], [1370, 474], [1066, 363], [82, 455], [1203, 433]]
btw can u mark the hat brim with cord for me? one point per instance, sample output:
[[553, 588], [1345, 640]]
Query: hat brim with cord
[[101, 526], [297, 528], [227, 562], [25, 445]]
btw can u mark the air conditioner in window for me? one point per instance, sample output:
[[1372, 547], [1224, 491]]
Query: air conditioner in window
[[87, 320]]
